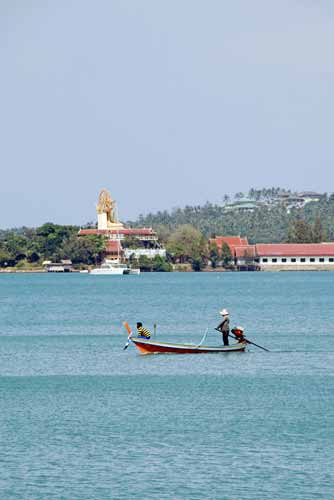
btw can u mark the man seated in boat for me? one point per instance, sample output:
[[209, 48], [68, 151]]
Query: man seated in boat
[[142, 332], [238, 332]]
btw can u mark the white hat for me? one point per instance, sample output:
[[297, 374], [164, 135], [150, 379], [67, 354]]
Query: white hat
[[223, 312], [240, 328]]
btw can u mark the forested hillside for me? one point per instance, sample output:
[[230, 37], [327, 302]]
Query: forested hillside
[[269, 221]]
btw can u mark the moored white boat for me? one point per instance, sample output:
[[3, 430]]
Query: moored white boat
[[111, 267], [134, 270]]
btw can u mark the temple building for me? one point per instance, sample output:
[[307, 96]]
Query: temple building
[[117, 235]]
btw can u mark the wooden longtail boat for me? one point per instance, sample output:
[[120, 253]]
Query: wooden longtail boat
[[146, 346]]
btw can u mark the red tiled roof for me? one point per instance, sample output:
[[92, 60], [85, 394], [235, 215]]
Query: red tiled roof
[[126, 232], [113, 246], [245, 251], [295, 249], [231, 241]]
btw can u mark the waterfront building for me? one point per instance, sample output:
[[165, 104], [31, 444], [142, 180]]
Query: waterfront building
[[113, 250], [245, 258], [271, 256], [231, 241], [117, 235], [242, 254], [64, 266], [278, 256]]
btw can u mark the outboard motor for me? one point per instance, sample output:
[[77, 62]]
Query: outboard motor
[[238, 332]]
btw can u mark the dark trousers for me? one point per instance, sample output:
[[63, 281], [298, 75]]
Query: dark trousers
[[225, 338]]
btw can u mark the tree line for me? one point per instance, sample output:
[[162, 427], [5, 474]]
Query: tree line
[[29, 247], [186, 247], [185, 233]]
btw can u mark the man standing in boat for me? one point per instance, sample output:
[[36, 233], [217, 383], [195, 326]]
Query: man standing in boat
[[224, 326], [142, 332]]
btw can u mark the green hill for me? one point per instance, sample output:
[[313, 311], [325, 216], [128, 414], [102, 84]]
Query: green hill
[[269, 219]]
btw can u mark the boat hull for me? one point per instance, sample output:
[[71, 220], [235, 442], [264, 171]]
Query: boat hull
[[134, 271], [111, 267], [150, 347], [109, 272]]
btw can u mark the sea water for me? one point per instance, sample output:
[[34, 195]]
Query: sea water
[[81, 418]]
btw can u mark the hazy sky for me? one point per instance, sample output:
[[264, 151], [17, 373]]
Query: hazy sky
[[165, 103]]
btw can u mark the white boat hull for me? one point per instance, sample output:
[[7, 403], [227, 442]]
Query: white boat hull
[[134, 271], [111, 267], [115, 271]]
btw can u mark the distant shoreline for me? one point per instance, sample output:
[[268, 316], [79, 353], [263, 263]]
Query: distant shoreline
[[218, 271]]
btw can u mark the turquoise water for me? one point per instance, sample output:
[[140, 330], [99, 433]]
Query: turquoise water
[[82, 419]]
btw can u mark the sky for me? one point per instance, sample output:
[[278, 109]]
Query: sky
[[164, 103]]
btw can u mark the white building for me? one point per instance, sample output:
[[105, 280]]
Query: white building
[[297, 255], [144, 252]]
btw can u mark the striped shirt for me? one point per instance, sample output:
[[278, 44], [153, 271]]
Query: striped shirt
[[143, 332]]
